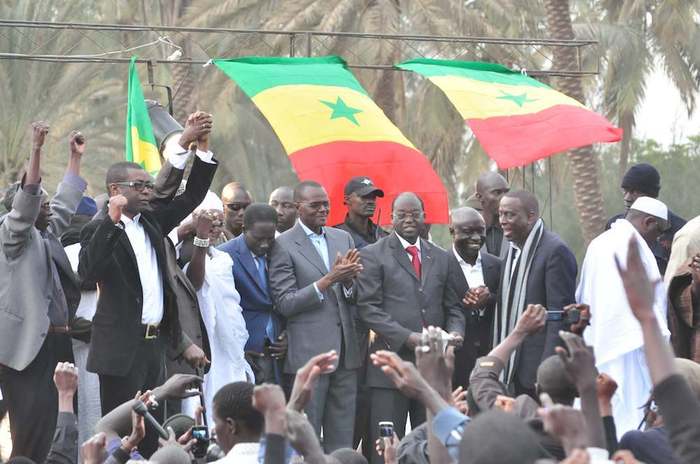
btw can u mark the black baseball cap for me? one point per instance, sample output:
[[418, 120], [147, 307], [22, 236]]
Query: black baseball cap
[[362, 186]]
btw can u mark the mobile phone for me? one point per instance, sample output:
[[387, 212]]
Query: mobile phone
[[386, 429], [573, 316], [555, 315], [201, 434]]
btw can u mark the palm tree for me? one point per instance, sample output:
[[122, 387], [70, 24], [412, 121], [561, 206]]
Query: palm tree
[[633, 38], [584, 162]]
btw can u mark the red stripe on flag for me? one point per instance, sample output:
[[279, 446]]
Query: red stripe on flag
[[514, 141], [393, 167]]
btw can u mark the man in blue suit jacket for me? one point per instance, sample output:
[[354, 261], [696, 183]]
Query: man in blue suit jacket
[[249, 252]]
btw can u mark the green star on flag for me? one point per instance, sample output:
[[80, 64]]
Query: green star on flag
[[341, 110], [520, 99]]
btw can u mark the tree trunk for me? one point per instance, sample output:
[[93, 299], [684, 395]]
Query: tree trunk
[[627, 125], [584, 162]]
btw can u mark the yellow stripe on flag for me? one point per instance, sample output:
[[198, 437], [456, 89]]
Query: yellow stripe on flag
[[308, 115], [480, 100], [145, 153]]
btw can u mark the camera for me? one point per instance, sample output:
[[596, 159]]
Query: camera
[[201, 434], [572, 316]]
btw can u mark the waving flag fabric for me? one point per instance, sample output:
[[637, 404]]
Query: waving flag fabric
[[141, 146], [332, 130], [516, 119]]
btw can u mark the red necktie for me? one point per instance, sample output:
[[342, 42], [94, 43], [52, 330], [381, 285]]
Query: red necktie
[[415, 260]]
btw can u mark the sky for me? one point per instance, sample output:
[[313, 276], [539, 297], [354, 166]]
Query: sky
[[663, 116]]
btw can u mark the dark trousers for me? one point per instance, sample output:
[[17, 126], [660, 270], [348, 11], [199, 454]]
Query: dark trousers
[[146, 373], [32, 400], [332, 408], [387, 404]]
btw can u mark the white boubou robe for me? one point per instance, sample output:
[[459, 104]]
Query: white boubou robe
[[219, 303], [614, 333]]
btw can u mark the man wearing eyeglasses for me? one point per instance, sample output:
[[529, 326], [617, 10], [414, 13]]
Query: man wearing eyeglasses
[[236, 199], [404, 288], [312, 272], [124, 254]]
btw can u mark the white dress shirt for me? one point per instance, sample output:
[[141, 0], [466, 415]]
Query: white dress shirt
[[474, 274], [242, 453], [405, 245], [149, 271]]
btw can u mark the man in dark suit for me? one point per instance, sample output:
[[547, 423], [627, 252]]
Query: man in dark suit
[[312, 268], [124, 253], [249, 252], [477, 284], [539, 268], [38, 297], [404, 287]]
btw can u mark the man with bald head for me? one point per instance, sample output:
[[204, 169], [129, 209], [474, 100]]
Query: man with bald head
[[539, 268], [282, 199], [405, 287], [236, 199], [614, 333], [477, 286], [490, 188]]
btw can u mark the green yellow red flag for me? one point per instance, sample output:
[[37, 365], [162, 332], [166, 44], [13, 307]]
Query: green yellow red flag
[[141, 146], [516, 118], [332, 130]]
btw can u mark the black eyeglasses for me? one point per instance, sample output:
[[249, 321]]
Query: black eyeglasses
[[138, 185], [237, 206]]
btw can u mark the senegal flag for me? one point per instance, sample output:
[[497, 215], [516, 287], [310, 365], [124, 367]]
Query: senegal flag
[[332, 131], [141, 144], [516, 119]]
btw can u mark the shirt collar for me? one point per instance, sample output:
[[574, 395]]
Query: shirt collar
[[405, 244], [462, 261], [127, 220], [244, 449], [311, 233]]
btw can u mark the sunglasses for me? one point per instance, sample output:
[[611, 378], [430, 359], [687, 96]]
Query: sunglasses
[[237, 206], [138, 185]]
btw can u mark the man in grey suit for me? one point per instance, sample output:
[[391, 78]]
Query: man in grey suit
[[38, 297], [312, 268], [405, 286]]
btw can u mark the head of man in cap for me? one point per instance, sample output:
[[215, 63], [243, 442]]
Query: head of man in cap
[[640, 180], [649, 216], [360, 198]]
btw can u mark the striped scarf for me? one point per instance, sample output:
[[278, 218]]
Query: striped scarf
[[512, 302]]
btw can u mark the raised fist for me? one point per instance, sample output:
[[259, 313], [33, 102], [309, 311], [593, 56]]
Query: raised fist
[[39, 131], [117, 204], [77, 143]]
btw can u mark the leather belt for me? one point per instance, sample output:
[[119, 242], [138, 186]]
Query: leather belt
[[150, 331], [59, 329]]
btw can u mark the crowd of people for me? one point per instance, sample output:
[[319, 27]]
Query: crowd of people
[[159, 321]]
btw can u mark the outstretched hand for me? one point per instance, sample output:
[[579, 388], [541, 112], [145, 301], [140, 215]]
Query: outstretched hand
[[179, 386], [533, 319], [307, 376], [578, 361], [563, 422], [403, 374]]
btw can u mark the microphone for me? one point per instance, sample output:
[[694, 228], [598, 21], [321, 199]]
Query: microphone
[[141, 409]]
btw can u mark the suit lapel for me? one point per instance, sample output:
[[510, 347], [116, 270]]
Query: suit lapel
[[426, 254], [245, 257], [308, 250], [489, 269], [401, 256]]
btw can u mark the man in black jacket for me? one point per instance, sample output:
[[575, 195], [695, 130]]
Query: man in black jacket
[[124, 253]]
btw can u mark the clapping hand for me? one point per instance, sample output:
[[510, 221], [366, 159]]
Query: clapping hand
[[476, 297]]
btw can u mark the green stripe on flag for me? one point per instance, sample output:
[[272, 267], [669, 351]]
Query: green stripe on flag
[[478, 70], [140, 142], [253, 78]]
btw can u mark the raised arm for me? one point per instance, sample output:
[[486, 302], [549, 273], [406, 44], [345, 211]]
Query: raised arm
[[197, 265], [16, 229], [97, 242], [70, 190]]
